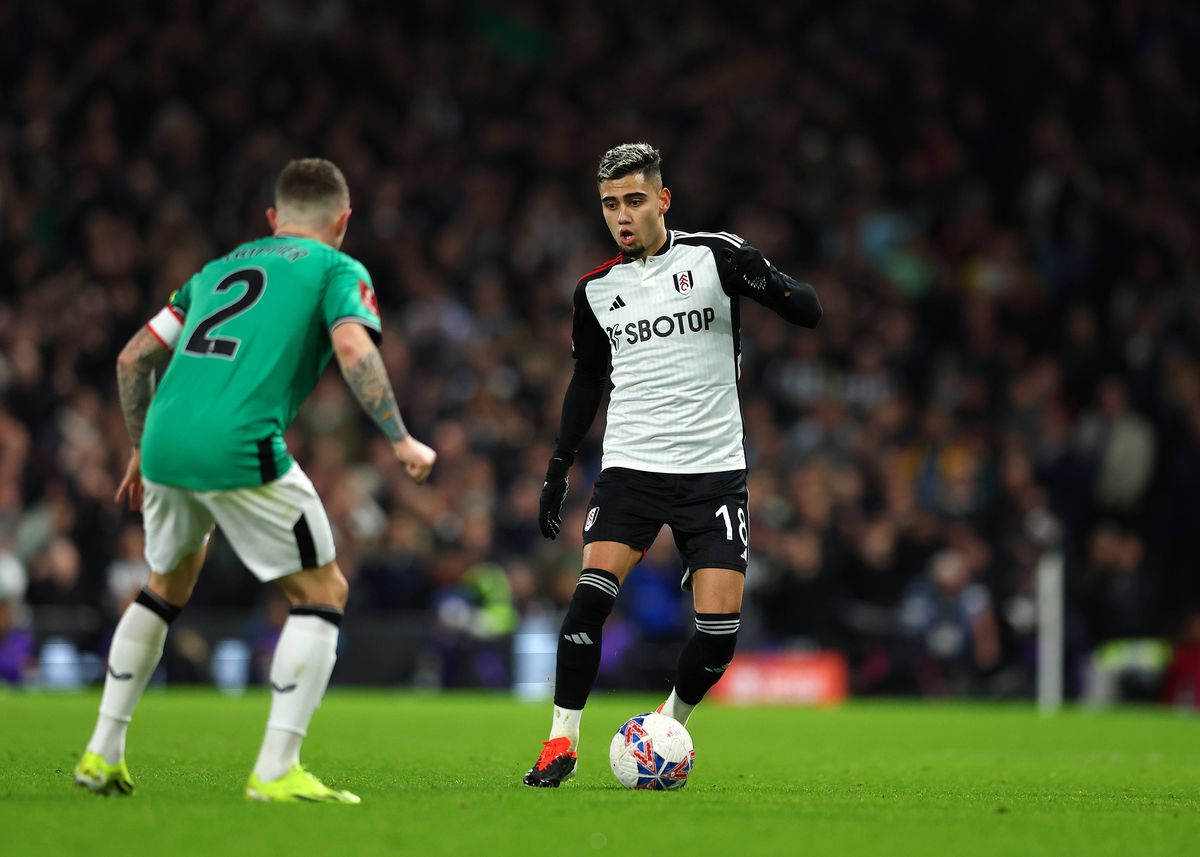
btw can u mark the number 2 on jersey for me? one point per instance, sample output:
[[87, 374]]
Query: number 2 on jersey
[[203, 345], [743, 532]]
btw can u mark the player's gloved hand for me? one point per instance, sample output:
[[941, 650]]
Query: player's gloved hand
[[554, 494], [749, 264]]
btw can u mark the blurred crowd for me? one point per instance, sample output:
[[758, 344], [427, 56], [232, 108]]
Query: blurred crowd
[[997, 203]]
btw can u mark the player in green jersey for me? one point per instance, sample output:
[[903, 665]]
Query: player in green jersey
[[244, 342]]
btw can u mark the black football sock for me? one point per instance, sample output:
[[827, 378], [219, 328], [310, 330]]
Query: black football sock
[[579, 638], [706, 655]]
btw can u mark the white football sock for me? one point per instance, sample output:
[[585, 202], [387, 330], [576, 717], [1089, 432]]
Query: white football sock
[[300, 671], [137, 647], [677, 708], [566, 724], [280, 750]]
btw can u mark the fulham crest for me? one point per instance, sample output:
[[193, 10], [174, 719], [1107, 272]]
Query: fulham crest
[[683, 282]]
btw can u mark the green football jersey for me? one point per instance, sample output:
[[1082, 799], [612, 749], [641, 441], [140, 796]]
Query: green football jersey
[[255, 339]]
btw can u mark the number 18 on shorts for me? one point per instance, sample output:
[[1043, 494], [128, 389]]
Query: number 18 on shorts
[[705, 511]]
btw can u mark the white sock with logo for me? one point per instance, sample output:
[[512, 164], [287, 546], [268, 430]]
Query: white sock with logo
[[300, 671], [137, 647]]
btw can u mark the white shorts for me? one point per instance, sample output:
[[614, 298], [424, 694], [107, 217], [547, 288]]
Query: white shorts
[[276, 529]]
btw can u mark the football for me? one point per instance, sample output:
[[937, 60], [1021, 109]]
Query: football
[[652, 751]]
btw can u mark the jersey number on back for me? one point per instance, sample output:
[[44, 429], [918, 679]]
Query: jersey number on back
[[203, 345]]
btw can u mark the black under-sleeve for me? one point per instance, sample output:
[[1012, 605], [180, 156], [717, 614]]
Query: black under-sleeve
[[590, 348], [794, 301], [580, 405]]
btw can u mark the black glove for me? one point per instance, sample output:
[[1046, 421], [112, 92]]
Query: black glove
[[554, 494], [749, 264]]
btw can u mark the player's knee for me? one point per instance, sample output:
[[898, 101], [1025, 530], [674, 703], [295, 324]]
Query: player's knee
[[175, 585], [325, 586], [593, 600], [337, 588]]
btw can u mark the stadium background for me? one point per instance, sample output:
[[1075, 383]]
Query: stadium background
[[998, 206]]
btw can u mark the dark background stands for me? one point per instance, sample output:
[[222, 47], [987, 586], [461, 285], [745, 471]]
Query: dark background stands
[[998, 204]]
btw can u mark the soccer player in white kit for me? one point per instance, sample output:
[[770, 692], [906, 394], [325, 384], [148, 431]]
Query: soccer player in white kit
[[665, 315]]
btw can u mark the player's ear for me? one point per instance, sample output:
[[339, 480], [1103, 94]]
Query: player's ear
[[272, 218], [664, 200]]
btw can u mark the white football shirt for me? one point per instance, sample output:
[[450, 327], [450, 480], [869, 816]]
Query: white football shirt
[[671, 331]]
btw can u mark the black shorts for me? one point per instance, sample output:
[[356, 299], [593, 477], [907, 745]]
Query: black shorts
[[705, 511]]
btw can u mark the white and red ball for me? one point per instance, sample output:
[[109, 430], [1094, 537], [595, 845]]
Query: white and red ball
[[652, 751]]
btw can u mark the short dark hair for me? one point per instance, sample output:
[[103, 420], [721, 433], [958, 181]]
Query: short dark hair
[[312, 183], [629, 159]]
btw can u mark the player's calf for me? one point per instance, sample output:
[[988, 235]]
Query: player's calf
[[136, 649], [579, 637], [300, 670], [702, 662]]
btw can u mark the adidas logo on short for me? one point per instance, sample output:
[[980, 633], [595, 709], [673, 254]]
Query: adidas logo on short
[[581, 639], [617, 304]]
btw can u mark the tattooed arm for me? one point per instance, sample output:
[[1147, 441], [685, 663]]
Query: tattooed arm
[[135, 368], [362, 367]]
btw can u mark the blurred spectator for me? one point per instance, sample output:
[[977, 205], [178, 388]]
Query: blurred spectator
[[475, 616], [1115, 595], [795, 593], [55, 575], [950, 617], [874, 579], [128, 572], [1121, 443]]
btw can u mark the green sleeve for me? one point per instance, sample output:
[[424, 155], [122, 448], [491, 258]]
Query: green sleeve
[[349, 296], [181, 299]]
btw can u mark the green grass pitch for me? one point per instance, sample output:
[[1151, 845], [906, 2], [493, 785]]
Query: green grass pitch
[[440, 774]]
